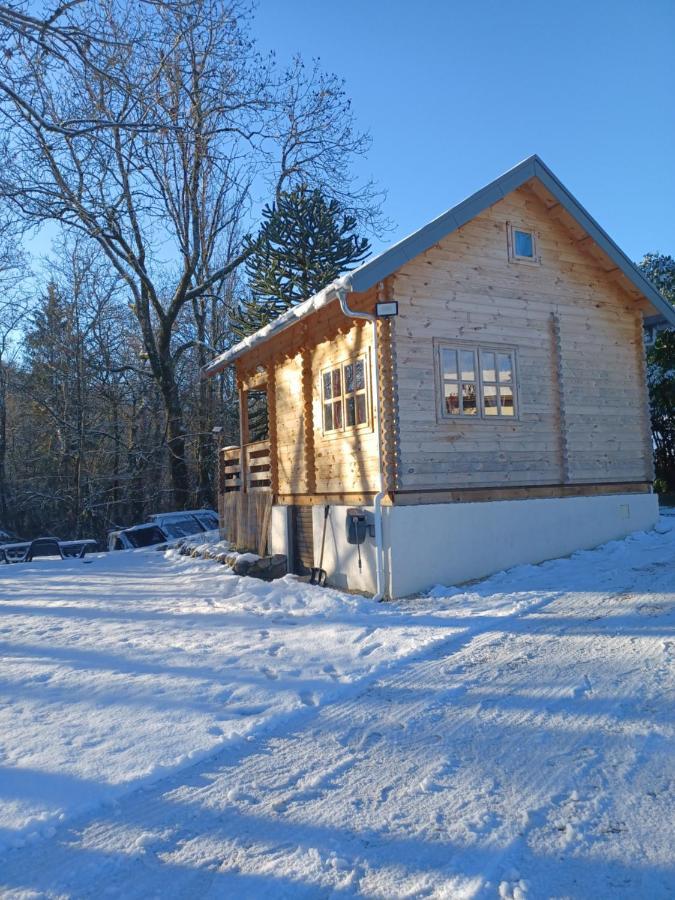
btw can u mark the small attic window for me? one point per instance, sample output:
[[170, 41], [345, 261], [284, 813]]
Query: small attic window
[[522, 245]]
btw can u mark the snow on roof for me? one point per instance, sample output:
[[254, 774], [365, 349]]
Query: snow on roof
[[387, 262], [312, 304]]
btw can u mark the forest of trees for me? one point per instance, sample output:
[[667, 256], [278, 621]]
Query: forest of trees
[[153, 157]]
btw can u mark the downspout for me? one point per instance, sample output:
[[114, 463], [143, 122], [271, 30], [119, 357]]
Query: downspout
[[342, 289]]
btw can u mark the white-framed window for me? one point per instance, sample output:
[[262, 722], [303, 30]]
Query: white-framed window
[[522, 244], [344, 396], [476, 382]]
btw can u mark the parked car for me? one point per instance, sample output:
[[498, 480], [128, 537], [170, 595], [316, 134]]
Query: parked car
[[163, 527], [187, 521], [146, 535]]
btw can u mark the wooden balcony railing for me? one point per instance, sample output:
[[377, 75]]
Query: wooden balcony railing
[[253, 475], [230, 470]]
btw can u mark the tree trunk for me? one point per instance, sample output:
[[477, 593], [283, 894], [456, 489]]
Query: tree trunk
[[3, 445], [205, 404], [205, 457], [115, 493], [136, 494], [175, 433]]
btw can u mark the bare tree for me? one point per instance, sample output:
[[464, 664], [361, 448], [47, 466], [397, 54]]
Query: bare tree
[[13, 308], [142, 195], [67, 35], [156, 154], [317, 142]]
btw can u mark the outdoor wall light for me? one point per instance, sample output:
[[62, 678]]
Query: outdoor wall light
[[386, 309]]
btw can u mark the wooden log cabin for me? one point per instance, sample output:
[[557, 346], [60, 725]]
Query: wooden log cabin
[[472, 398]]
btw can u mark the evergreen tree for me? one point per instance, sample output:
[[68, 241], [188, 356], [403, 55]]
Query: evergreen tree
[[660, 270], [305, 242], [661, 378], [55, 384]]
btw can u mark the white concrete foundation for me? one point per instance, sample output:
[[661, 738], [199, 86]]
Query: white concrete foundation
[[450, 543]]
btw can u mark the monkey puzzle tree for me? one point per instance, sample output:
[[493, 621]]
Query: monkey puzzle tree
[[305, 242]]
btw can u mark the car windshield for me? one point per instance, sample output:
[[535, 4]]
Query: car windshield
[[208, 520], [145, 537], [176, 528]]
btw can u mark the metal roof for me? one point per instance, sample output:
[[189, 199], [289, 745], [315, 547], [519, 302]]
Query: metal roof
[[388, 262]]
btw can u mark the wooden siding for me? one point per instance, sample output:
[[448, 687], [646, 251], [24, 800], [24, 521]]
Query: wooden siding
[[309, 461], [580, 371], [346, 461], [290, 433]]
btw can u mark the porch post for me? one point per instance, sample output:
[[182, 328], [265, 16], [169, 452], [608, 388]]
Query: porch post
[[308, 421], [272, 428], [388, 391], [243, 437]]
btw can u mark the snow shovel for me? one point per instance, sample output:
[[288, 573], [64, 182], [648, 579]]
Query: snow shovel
[[318, 575]]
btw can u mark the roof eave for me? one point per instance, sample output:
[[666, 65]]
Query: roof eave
[[383, 265], [603, 240], [277, 326], [404, 251]]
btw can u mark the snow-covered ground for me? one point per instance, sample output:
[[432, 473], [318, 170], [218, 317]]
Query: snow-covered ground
[[168, 729], [117, 671]]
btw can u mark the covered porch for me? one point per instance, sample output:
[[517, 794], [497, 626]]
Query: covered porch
[[309, 420], [246, 484]]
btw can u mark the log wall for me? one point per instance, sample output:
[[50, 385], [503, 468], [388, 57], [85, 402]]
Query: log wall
[[578, 340]]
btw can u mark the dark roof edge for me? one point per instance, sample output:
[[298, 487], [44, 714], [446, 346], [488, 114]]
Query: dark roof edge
[[387, 262], [602, 239], [401, 253], [390, 260]]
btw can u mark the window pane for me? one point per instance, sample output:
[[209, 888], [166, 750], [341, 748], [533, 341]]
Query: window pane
[[505, 368], [506, 395], [469, 399], [452, 399], [326, 386], [351, 411], [359, 375], [349, 378], [449, 363], [361, 417], [337, 383], [523, 243], [488, 363], [467, 365], [490, 400], [337, 414], [328, 417]]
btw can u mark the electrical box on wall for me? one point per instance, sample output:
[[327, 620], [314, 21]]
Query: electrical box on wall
[[360, 524]]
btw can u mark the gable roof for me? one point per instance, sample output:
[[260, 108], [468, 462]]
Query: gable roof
[[384, 264]]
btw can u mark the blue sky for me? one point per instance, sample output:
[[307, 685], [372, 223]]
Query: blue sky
[[453, 94]]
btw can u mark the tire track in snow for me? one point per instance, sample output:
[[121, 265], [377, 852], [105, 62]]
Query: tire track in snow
[[454, 774], [88, 837]]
